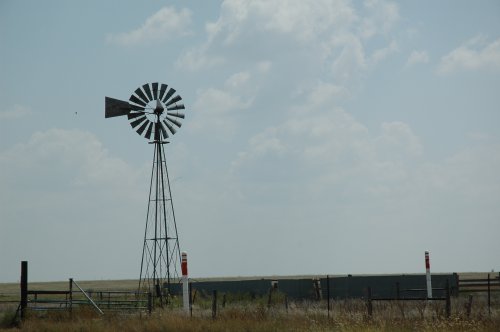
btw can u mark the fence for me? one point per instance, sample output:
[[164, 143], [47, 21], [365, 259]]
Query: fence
[[480, 285], [102, 300], [338, 287], [446, 298]]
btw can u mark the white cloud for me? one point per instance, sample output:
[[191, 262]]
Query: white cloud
[[264, 66], [325, 33], [350, 58], [217, 101], [383, 53], [417, 57], [238, 79], [398, 136], [67, 157], [382, 17], [214, 111], [198, 58], [15, 112], [299, 19], [167, 23], [474, 54]]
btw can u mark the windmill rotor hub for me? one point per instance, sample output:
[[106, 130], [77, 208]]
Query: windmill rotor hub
[[159, 108]]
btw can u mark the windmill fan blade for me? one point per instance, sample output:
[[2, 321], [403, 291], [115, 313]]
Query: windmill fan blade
[[163, 88], [176, 114], [169, 126], [155, 90], [115, 107], [163, 131], [137, 122], [176, 107], [148, 132], [168, 95], [136, 100], [174, 100], [134, 115], [141, 95], [174, 121], [147, 89], [143, 127]]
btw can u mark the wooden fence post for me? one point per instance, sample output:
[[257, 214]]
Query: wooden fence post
[[24, 288], [214, 304]]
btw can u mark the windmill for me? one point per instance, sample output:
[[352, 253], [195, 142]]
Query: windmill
[[153, 112]]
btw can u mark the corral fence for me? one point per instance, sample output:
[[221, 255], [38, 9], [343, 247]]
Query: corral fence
[[33, 300], [76, 297]]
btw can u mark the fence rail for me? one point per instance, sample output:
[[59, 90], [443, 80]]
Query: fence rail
[[483, 285], [101, 301]]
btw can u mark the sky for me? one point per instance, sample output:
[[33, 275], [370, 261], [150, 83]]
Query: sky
[[321, 137]]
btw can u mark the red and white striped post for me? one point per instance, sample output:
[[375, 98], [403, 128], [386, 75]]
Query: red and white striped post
[[185, 281], [428, 275]]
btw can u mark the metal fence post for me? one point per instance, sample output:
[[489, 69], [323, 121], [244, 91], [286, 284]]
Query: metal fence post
[[369, 302], [71, 297], [191, 300], [328, 294], [469, 306], [270, 297], [448, 300], [150, 303], [489, 296]]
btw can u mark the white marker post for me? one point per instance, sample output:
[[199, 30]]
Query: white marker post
[[185, 281], [428, 275]]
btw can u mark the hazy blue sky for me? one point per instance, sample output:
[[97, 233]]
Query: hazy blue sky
[[320, 136]]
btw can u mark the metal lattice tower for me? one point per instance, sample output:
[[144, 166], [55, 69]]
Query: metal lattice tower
[[152, 111], [161, 251]]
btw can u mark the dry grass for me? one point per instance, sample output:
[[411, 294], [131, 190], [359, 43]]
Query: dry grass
[[349, 315], [252, 319]]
